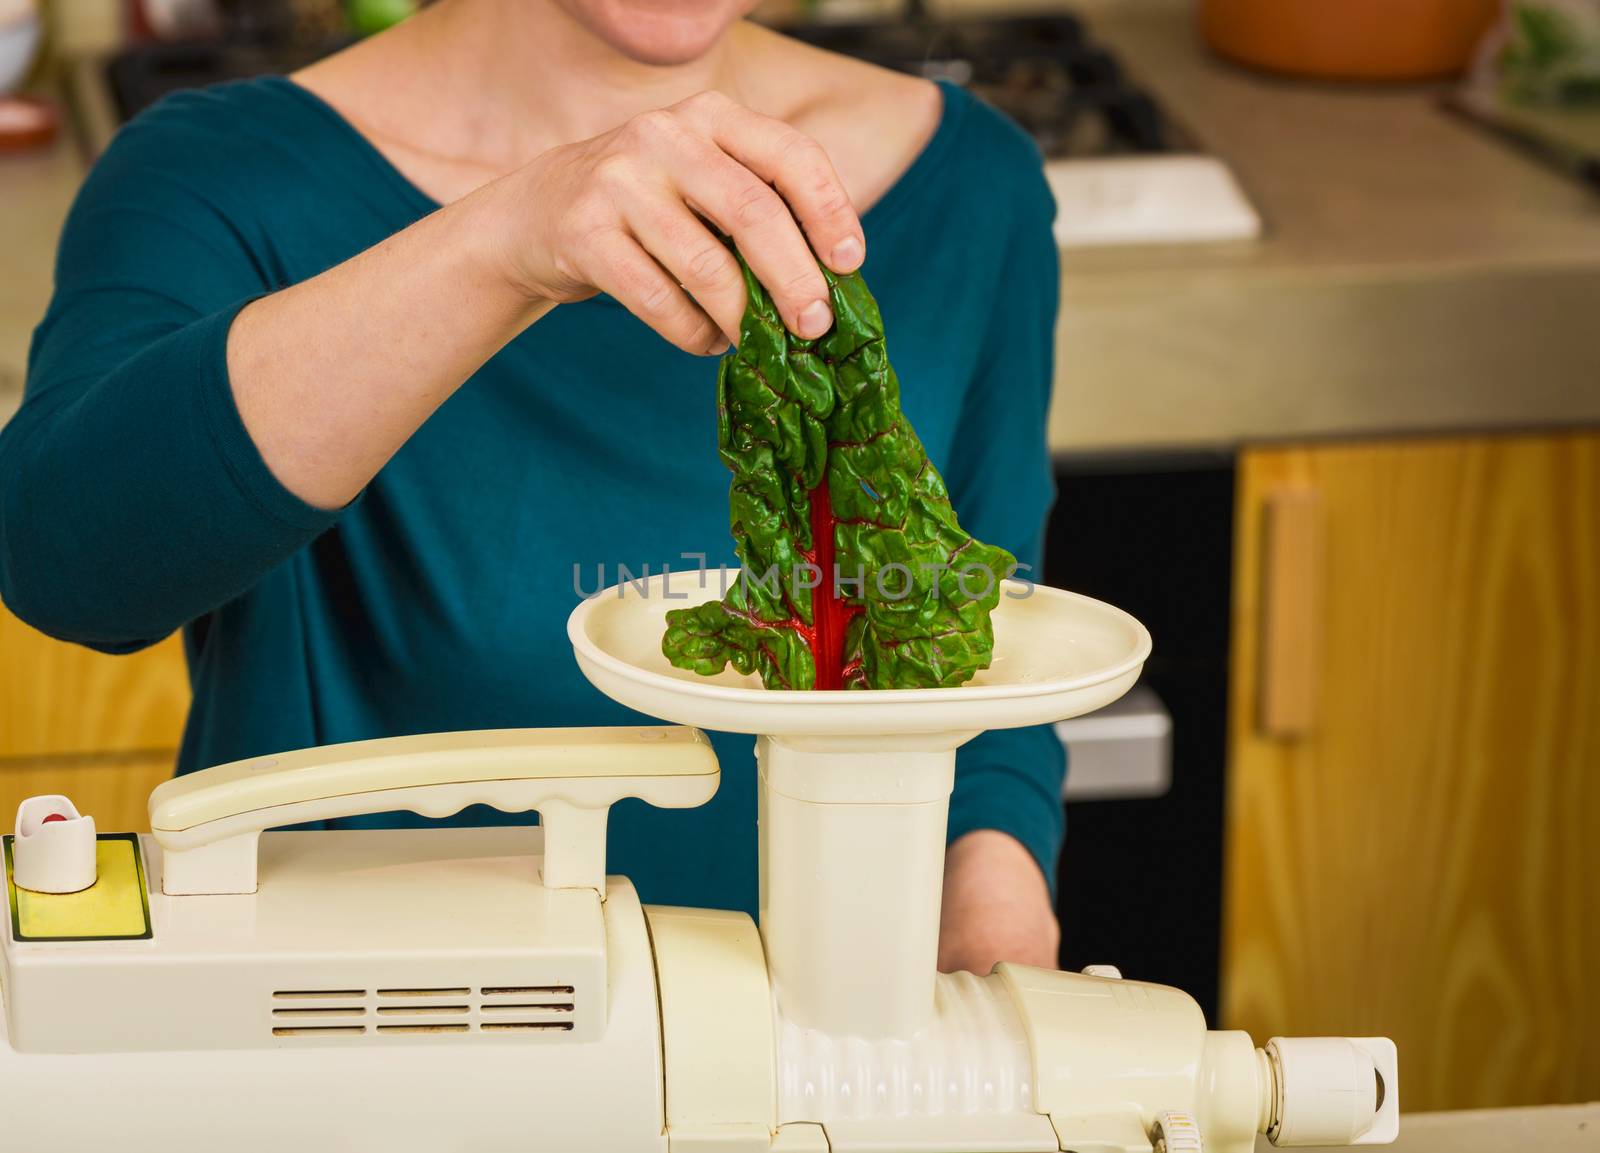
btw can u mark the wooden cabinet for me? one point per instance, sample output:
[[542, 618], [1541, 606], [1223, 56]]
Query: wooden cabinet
[[114, 789], [102, 729], [1413, 821], [58, 699]]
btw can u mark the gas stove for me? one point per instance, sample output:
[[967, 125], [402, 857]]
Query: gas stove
[[1044, 71]]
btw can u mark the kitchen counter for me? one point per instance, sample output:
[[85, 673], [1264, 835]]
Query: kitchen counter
[[1415, 274], [1545, 1129]]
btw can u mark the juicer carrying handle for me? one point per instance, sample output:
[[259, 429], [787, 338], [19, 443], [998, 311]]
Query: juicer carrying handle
[[208, 823]]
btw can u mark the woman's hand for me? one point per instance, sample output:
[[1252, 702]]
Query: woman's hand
[[622, 214], [996, 906]]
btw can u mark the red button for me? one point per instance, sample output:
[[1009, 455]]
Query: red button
[[54, 817]]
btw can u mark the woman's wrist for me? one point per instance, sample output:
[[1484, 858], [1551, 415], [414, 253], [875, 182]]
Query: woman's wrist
[[493, 224]]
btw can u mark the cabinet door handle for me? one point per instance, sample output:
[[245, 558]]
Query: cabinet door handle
[[1291, 604]]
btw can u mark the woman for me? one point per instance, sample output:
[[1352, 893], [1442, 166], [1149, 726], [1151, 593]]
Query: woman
[[358, 376]]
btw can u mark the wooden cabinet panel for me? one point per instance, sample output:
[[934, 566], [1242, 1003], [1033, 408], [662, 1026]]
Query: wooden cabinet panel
[[114, 790], [58, 699], [1423, 859]]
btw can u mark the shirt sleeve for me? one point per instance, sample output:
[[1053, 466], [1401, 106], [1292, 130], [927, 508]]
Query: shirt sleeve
[[1002, 485], [132, 498]]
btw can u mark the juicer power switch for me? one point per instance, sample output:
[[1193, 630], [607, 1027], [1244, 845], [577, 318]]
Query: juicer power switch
[[54, 847]]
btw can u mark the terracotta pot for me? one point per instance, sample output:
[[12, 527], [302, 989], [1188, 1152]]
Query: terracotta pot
[[1349, 39]]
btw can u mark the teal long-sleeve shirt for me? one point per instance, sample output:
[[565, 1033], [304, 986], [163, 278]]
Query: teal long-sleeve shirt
[[133, 501]]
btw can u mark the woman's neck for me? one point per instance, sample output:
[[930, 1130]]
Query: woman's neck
[[469, 90], [500, 81]]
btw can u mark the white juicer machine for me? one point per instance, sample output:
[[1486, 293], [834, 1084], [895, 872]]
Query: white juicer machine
[[214, 986]]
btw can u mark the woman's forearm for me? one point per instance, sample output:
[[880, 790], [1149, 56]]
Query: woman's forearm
[[996, 906], [333, 375]]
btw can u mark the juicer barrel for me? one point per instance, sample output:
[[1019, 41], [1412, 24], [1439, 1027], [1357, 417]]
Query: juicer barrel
[[852, 873]]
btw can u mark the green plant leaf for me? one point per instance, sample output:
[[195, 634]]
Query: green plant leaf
[[856, 572]]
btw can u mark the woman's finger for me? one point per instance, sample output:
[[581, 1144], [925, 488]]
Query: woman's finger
[[682, 244], [786, 157], [617, 265], [742, 205]]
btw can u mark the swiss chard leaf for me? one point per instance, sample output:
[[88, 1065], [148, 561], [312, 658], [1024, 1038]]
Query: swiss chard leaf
[[856, 574]]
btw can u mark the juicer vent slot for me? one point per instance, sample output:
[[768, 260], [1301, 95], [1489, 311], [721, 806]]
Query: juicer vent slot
[[522, 1006], [452, 1028], [316, 1030], [527, 990], [319, 994], [507, 1026], [457, 992], [322, 1011], [422, 1010]]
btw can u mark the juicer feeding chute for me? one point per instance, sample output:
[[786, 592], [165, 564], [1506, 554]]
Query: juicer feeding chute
[[855, 785]]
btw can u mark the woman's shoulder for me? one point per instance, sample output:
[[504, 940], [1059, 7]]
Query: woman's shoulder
[[238, 186], [235, 141], [987, 161], [257, 170], [979, 173], [234, 119], [903, 131]]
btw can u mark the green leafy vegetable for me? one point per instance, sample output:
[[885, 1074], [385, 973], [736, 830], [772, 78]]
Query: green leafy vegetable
[[856, 574], [1550, 53]]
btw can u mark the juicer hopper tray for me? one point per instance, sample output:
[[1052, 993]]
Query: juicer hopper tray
[[1056, 655]]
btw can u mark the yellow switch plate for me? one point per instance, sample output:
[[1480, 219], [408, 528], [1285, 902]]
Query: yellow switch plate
[[114, 908]]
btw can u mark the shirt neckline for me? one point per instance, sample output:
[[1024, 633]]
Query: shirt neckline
[[952, 112]]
